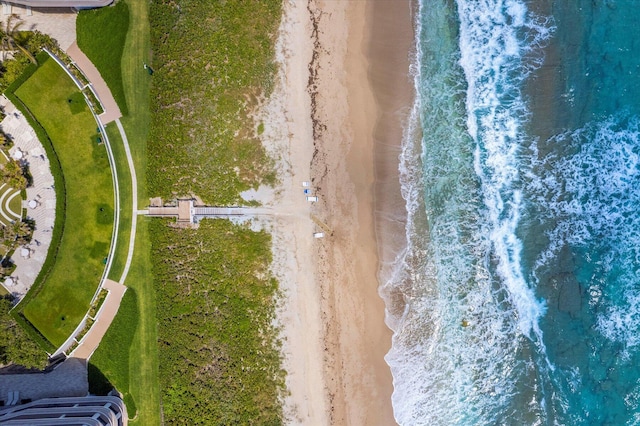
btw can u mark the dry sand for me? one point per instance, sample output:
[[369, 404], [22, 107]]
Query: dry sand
[[323, 124]]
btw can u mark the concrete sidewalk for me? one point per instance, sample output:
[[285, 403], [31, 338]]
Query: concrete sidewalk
[[111, 110], [107, 313], [42, 192]]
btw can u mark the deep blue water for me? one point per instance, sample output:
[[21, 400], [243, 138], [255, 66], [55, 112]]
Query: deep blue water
[[521, 171]]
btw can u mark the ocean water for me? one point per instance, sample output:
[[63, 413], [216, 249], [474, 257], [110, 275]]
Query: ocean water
[[517, 300]]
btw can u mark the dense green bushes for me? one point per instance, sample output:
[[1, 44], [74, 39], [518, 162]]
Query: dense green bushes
[[219, 354], [218, 351], [16, 347], [101, 36], [212, 61], [33, 42]]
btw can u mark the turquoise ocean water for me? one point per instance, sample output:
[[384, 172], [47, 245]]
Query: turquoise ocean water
[[521, 171]]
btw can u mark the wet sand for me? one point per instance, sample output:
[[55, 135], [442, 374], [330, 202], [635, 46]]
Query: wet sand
[[335, 119]]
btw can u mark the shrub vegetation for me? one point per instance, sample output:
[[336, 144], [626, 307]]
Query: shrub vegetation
[[219, 357], [218, 350], [15, 345], [213, 61], [219, 353]]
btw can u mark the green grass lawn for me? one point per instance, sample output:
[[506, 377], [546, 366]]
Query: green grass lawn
[[142, 355], [116, 368], [101, 35], [65, 296], [15, 205], [124, 179], [10, 204]]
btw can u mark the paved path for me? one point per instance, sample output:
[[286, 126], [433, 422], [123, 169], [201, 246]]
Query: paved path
[[59, 23], [104, 317], [134, 197], [111, 110], [25, 140], [109, 309]]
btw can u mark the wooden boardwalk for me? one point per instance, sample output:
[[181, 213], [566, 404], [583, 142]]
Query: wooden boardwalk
[[186, 213]]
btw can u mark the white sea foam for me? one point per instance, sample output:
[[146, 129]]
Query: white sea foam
[[454, 355], [591, 190], [495, 39]]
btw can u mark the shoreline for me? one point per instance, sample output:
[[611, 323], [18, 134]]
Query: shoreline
[[335, 119]]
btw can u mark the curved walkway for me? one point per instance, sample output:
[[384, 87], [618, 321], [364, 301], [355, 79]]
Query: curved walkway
[[104, 317], [44, 213], [109, 308], [134, 197]]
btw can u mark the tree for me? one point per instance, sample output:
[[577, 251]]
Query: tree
[[11, 39], [13, 174], [23, 231]]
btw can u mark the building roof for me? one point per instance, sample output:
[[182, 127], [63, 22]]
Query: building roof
[[67, 379], [78, 4], [88, 410]]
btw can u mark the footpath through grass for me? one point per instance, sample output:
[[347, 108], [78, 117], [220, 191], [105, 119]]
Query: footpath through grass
[[140, 354], [124, 180], [64, 298]]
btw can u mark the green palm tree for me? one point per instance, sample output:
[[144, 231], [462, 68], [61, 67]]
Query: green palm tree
[[10, 38]]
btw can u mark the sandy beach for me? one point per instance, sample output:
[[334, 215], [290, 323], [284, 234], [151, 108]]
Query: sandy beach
[[335, 119]]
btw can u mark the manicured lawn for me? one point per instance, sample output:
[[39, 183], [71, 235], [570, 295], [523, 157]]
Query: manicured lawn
[[142, 386], [65, 296], [124, 179], [15, 205], [101, 35], [143, 357], [116, 368], [10, 204]]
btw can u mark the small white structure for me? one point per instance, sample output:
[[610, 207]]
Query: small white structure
[[318, 235], [306, 184], [312, 199]]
